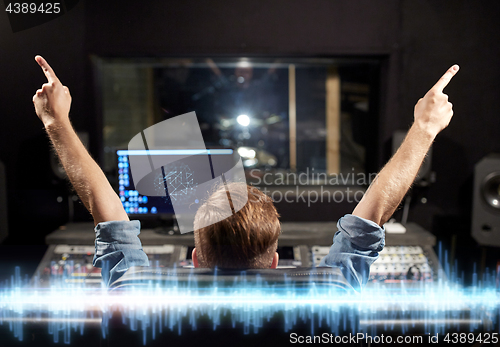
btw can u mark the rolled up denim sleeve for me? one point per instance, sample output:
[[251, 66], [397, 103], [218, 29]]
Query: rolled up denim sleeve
[[356, 246], [117, 248]]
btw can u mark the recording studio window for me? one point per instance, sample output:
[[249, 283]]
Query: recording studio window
[[311, 116]]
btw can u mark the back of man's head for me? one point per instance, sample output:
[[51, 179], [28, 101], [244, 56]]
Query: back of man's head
[[246, 239]]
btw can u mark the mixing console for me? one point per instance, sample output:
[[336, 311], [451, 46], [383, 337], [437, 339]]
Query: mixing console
[[73, 263], [396, 264], [407, 261], [407, 257], [402, 263]]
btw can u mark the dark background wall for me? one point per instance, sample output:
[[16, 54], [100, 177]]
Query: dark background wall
[[417, 40]]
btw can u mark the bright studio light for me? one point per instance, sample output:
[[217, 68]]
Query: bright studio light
[[243, 119], [246, 152]]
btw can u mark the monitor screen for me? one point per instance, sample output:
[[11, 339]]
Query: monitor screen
[[174, 185], [133, 202]]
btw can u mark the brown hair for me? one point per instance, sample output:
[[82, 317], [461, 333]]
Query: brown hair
[[246, 239]]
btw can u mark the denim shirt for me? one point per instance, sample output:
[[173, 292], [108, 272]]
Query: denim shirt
[[117, 248], [355, 247]]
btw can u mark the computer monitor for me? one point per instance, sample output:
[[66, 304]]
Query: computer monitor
[[153, 209], [183, 175]]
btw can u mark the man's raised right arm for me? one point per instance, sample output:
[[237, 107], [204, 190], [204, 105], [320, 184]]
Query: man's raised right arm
[[52, 104], [432, 114], [117, 244]]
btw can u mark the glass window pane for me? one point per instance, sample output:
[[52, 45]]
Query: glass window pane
[[244, 104]]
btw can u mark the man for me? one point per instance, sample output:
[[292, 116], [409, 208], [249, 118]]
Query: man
[[247, 239]]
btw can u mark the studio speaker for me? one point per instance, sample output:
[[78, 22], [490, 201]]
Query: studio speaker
[[486, 201], [3, 204], [424, 175]]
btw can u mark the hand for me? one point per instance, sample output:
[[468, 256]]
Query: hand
[[53, 101], [433, 112]]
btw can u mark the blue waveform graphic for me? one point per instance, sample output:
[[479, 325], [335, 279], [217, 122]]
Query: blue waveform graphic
[[156, 307]]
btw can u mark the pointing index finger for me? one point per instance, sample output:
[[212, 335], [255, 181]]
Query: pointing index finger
[[47, 70], [446, 78]]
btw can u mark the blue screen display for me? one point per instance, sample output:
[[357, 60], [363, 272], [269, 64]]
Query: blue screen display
[[132, 201], [182, 177]]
